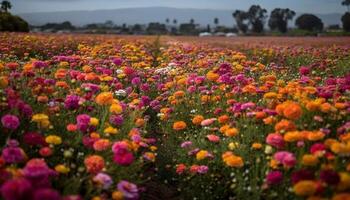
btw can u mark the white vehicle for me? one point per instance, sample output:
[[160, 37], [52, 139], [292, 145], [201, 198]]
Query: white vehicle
[[205, 34], [231, 35]]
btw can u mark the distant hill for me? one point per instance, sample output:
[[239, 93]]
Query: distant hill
[[146, 15]]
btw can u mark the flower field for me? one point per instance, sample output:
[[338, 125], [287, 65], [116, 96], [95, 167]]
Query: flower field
[[117, 117]]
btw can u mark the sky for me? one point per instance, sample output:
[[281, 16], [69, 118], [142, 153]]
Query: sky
[[305, 6]]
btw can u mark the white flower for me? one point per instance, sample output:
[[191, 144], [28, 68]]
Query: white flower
[[120, 92]]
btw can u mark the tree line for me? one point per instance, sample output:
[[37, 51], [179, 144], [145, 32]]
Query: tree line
[[252, 21]]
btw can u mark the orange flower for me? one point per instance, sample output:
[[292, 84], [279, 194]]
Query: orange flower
[[197, 119], [223, 119], [94, 163], [292, 111], [139, 122], [180, 125], [285, 125], [231, 132], [232, 160], [104, 98], [212, 76]]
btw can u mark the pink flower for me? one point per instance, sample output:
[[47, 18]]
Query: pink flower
[[275, 140], [10, 121], [286, 158], [213, 138], [208, 122]]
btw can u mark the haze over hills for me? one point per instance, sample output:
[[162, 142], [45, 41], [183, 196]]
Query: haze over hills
[[149, 14]]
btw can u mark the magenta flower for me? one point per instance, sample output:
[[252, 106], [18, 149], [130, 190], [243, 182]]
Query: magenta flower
[[275, 140], [12, 155], [72, 102], [129, 190], [83, 122], [274, 178], [16, 189], [123, 159], [286, 158], [46, 193], [10, 121]]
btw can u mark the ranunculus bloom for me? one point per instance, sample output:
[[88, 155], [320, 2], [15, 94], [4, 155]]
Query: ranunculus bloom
[[275, 140], [10, 121], [129, 190], [123, 159], [46, 193], [330, 177], [16, 189], [274, 177], [286, 158], [72, 102]]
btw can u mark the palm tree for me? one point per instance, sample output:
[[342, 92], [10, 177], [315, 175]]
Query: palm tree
[[5, 6], [346, 3], [175, 21]]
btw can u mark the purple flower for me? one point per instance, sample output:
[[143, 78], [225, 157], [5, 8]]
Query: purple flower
[[12, 154], [40, 64], [104, 179], [117, 61], [116, 120], [202, 169], [274, 177], [136, 81], [16, 189], [10, 121], [72, 102], [129, 190], [83, 122]]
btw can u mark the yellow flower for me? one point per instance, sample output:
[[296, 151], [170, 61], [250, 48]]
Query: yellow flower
[[110, 130], [116, 109], [94, 121], [344, 183], [62, 169], [305, 188], [53, 139], [39, 117], [202, 154]]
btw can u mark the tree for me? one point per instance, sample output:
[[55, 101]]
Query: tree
[[309, 22], [5, 6], [241, 18], [346, 3], [216, 21], [167, 20], [346, 21], [12, 23], [191, 21], [257, 16], [175, 21], [279, 19]]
